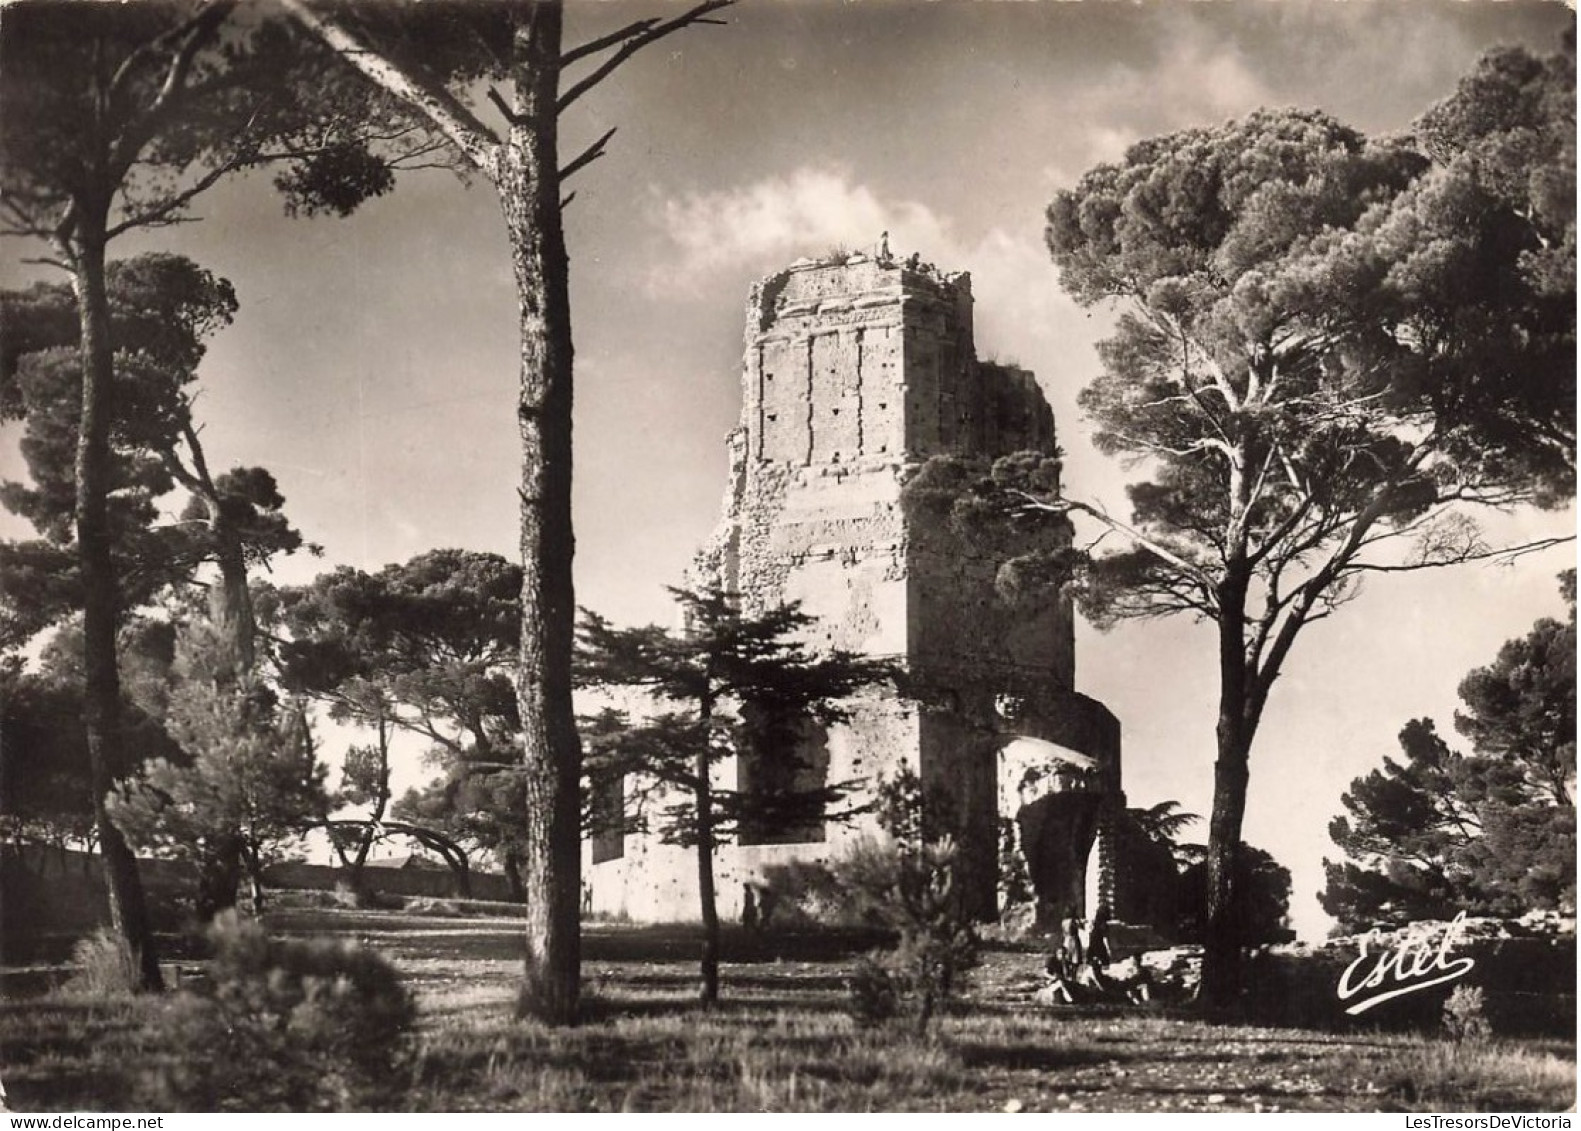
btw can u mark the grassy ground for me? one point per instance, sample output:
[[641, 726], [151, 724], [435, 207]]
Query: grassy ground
[[781, 1040]]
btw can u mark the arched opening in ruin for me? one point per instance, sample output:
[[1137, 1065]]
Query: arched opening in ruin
[[1050, 803], [1057, 833]]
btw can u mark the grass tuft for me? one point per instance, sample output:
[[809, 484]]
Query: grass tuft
[[1477, 1076]]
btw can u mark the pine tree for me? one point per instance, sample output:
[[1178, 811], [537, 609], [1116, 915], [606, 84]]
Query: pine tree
[[731, 685], [249, 783], [1491, 832], [1330, 352]]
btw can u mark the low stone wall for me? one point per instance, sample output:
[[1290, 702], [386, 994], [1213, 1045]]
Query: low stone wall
[[51, 898], [436, 883]]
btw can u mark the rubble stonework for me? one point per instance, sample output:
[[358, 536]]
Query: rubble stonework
[[855, 372]]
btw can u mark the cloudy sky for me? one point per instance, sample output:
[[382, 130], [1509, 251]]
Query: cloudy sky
[[372, 364]]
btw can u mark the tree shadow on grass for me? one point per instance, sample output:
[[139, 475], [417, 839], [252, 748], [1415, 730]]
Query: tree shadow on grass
[[605, 1006], [1034, 1058], [68, 1089], [1316, 1040], [468, 1063], [671, 942], [803, 983], [729, 981]]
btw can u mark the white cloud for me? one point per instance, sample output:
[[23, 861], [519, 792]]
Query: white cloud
[[763, 226], [1199, 80]]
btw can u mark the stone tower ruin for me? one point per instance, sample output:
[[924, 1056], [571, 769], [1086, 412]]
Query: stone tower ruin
[[856, 371]]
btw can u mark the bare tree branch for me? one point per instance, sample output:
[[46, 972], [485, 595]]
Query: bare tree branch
[[27, 221], [1033, 503], [594, 46], [160, 43], [1503, 553], [503, 107], [164, 210], [587, 156], [634, 42], [190, 37], [448, 115]]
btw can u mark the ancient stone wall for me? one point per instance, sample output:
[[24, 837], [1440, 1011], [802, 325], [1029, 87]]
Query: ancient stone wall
[[854, 373]]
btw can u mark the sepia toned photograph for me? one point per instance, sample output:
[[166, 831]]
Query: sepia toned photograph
[[767, 556]]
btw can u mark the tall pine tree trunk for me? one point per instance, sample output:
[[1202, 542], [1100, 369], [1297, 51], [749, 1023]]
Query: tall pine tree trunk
[[231, 616], [219, 871], [529, 188], [461, 873], [101, 599], [510, 864], [230, 601], [709, 992], [355, 865], [231, 611], [1221, 957], [255, 885]]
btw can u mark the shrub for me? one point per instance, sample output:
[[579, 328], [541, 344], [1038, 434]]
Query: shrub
[[104, 966], [912, 885], [1465, 1014], [873, 996], [913, 891], [285, 1026], [938, 945]]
